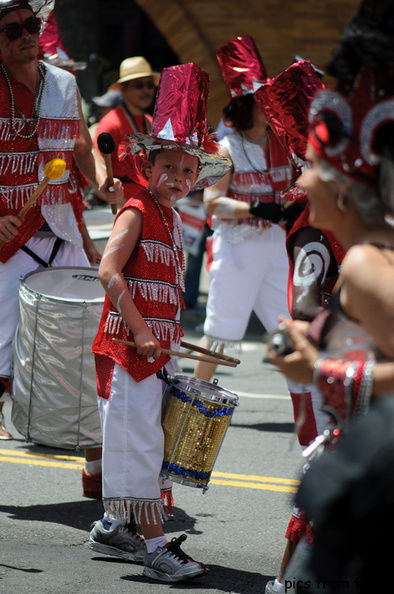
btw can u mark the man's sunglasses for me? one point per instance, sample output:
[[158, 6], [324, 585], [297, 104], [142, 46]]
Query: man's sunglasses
[[15, 30], [142, 85]]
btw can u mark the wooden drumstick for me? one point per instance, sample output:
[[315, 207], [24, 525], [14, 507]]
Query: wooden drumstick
[[54, 169], [198, 349], [184, 355], [106, 145]]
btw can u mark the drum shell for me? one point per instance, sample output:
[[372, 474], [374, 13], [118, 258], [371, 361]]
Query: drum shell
[[54, 384], [196, 417]]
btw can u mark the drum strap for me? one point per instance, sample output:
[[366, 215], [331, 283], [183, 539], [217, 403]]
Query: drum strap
[[163, 375], [56, 247]]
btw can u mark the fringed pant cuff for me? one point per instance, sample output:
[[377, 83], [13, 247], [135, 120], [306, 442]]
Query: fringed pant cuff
[[122, 509], [216, 344]]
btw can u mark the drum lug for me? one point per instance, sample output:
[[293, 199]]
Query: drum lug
[[193, 392]]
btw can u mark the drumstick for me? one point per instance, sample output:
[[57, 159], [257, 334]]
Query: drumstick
[[198, 349], [54, 169], [106, 145], [184, 355]]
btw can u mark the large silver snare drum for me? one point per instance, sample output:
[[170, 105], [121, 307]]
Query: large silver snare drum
[[54, 383]]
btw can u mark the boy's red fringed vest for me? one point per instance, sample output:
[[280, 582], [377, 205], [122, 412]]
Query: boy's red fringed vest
[[151, 276]]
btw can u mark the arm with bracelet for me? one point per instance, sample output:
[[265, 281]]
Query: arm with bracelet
[[276, 213]]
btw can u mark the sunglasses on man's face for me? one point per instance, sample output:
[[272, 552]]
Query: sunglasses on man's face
[[138, 86], [15, 30]]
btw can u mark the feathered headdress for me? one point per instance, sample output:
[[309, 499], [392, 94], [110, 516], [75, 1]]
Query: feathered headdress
[[353, 123]]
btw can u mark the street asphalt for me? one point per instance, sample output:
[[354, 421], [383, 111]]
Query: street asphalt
[[236, 528]]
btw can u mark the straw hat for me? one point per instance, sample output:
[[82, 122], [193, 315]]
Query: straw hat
[[132, 68]]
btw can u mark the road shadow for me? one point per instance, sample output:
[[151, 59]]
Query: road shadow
[[267, 427], [219, 578], [38, 448], [81, 515]]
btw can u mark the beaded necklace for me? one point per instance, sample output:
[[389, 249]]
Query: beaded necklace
[[180, 262], [33, 122]]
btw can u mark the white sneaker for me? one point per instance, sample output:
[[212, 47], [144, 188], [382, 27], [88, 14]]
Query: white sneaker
[[274, 587], [171, 564], [120, 542]]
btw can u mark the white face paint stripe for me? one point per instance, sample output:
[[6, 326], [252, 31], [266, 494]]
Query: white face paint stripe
[[111, 250], [118, 236], [119, 300], [162, 179], [113, 280]]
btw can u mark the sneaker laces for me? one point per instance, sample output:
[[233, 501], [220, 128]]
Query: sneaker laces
[[175, 549]]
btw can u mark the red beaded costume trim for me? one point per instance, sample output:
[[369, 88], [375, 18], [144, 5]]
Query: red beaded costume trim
[[346, 386]]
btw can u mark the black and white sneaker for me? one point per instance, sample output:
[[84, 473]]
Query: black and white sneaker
[[171, 564]]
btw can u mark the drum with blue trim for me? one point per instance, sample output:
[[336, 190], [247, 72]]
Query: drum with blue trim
[[196, 417]]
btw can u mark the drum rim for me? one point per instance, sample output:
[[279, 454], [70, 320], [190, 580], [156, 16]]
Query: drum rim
[[229, 398], [95, 300]]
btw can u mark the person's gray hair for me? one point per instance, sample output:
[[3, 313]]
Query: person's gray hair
[[373, 204]]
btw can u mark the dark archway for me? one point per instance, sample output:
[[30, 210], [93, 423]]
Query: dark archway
[[103, 34]]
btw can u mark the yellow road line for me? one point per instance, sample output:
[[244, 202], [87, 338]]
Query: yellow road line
[[251, 477], [254, 486], [31, 462], [39, 455], [246, 481]]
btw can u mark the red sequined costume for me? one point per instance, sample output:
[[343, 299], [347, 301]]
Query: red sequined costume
[[23, 160], [152, 280]]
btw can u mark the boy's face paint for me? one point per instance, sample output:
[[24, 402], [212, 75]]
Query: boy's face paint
[[172, 175]]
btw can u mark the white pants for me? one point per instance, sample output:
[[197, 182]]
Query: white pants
[[251, 275], [133, 444], [10, 275]]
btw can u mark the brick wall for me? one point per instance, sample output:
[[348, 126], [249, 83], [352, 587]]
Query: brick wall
[[281, 29]]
